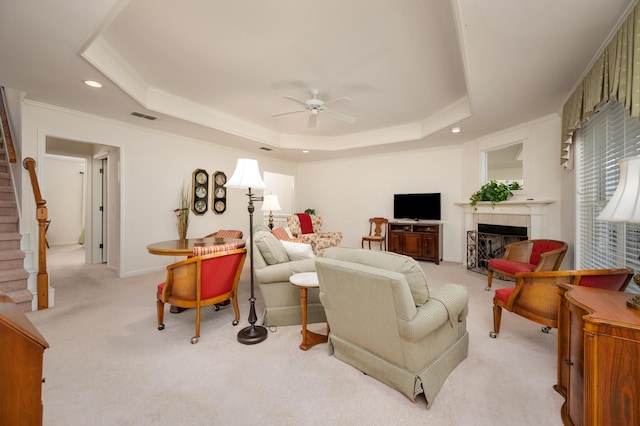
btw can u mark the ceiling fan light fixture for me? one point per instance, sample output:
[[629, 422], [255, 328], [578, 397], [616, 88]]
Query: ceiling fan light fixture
[[315, 106]]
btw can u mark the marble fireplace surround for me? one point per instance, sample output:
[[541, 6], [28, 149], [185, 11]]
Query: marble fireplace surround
[[526, 213]]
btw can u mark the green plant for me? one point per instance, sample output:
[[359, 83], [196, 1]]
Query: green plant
[[182, 212], [494, 192], [310, 211]]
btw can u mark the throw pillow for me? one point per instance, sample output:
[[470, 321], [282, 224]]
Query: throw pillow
[[270, 247], [306, 226], [298, 251], [200, 251], [229, 233], [280, 233]]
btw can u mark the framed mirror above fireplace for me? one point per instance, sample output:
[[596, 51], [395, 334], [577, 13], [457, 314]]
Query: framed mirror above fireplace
[[504, 164]]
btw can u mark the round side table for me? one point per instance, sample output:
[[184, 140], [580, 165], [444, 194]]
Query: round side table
[[304, 281]]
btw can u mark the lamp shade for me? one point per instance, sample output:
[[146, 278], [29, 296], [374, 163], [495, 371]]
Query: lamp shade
[[246, 175], [270, 203], [624, 205]]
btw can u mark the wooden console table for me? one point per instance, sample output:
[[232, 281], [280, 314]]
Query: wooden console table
[[420, 240], [598, 357]]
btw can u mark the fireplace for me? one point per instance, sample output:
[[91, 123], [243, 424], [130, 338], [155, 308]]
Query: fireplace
[[488, 242]]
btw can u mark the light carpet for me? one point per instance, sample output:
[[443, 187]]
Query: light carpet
[[109, 365]]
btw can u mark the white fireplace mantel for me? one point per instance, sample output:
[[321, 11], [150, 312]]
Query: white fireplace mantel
[[534, 210]]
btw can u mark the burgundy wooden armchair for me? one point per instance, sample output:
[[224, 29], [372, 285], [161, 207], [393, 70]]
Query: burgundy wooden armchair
[[202, 281], [527, 256], [536, 294]]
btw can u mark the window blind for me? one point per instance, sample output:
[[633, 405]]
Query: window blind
[[609, 136]]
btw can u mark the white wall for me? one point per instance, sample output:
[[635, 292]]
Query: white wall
[[63, 187], [152, 169], [346, 193]]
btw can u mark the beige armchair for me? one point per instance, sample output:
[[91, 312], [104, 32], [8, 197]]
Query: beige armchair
[[386, 323], [319, 240], [273, 267]]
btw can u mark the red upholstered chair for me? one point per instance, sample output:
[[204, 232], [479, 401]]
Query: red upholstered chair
[[527, 256], [202, 281], [536, 294]]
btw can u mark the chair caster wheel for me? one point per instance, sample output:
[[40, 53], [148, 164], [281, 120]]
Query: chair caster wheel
[[194, 340], [235, 322], [161, 327], [217, 308], [545, 329], [493, 334]]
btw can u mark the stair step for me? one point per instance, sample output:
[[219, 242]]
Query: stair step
[[6, 193], [22, 298], [11, 259], [13, 276], [13, 279], [9, 224]]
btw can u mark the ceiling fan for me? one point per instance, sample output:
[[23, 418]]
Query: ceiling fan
[[315, 106]]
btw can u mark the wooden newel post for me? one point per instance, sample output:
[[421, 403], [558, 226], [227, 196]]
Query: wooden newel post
[[42, 215], [43, 275]]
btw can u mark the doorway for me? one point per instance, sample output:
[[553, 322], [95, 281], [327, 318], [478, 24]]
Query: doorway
[[99, 221]]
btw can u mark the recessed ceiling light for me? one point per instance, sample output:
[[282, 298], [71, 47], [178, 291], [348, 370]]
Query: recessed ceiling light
[[92, 83], [305, 151], [455, 130]]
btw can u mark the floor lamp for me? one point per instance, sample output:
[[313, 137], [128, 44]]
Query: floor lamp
[[247, 175], [269, 204], [624, 205]]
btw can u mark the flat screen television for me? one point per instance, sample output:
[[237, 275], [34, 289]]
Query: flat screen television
[[425, 206]]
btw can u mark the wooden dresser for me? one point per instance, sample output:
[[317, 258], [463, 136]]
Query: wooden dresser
[[21, 353], [598, 357]]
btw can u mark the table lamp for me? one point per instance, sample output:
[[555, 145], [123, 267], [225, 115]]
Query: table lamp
[[247, 175], [624, 205], [270, 203]]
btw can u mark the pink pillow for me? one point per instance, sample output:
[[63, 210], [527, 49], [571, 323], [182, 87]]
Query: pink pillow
[[280, 233]]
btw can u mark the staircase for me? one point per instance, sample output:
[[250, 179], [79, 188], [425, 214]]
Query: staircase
[[13, 276]]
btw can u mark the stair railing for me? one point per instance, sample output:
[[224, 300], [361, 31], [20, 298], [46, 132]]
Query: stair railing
[[6, 130], [42, 215]]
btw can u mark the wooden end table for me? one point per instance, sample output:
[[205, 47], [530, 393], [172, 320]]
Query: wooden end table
[[305, 281]]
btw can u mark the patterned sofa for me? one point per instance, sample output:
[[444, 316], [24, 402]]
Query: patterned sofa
[[319, 240]]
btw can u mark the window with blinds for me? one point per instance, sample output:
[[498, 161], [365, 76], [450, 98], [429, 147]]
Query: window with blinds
[[609, 136]]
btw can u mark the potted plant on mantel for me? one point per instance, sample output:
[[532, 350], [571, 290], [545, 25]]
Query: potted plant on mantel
[[494, 192]]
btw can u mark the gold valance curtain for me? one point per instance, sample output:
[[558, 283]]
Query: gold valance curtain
[[615, 74]]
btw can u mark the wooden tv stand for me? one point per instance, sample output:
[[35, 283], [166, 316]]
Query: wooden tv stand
[[420, 240]]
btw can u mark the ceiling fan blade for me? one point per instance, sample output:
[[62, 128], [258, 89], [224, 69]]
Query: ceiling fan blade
[[313, 120], [342, 117], [336, 100], [299, 101], [287, 113]]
